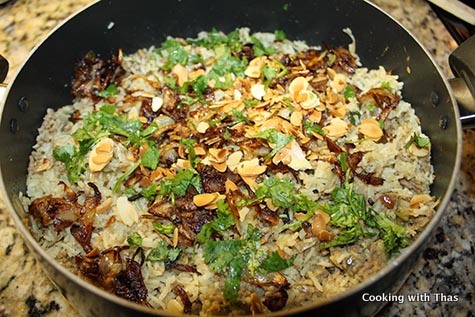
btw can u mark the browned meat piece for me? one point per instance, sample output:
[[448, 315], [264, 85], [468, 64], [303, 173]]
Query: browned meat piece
[[370, 178], [354, 159], [344, 60], [268, 216], [276, 301]]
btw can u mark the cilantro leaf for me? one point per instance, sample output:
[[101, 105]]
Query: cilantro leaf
[[73, 159], [274, 262], [110, 91], [176, 53], [260, 49], [312, 128], [278, 139], [419, 140], [163, 253], [164, 228], [223, 221], [349, 92], [279, 35], [239, 117], [134, 239], [150, 157], [180, 184]]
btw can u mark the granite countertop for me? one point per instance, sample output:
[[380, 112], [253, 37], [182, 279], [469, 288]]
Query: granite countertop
[[447, 266]]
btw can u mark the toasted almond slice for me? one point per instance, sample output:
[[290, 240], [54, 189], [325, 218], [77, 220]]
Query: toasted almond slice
[[218, 155], [254, 69], [183, 163], [418, 200], [370, 128], [201, 200], [220, 167], [270, 204], [339, 82], [249, 180], [181, 73], [126, 211], [298, 161], [258, 91], [234, 159], [202, 127], [195, 74], [199, 150], [315, 116], [101, 158], [250, 168], [230, 186], [105, 146], [104, 206], [296, 118], [157, 103], [297, 85], [311, 100], [417, 151], [213, 204], [336, 129], [175, 237], [101, 154]]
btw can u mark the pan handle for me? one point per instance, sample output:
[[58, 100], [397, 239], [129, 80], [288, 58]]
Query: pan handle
[[462, 63]]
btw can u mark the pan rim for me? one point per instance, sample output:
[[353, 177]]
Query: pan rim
[[40, 253]]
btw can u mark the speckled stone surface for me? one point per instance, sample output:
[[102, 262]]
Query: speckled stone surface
[[447, 266]]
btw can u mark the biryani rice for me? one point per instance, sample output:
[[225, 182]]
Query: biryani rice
[[316, 274]]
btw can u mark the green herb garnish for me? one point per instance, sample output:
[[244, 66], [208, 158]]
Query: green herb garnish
[[134, 239]]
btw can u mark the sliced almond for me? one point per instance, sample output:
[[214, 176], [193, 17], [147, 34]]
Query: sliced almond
[[250, 168], [417, 151], [258, 91], [202, 127], [297, 85], [296, 118], [418, 200], [101, 154], [201, 200], [311, 100], [230, 186], [126, 211], [336, 129], [254, 69], [218, 155], [199, 150], [181, 74], [104, 206], [220, 167], [43, 165], [157, 103], [370, 128], [234, 159], [338, 83]]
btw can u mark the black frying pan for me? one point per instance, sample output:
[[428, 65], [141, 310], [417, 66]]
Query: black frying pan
[[109, 25]]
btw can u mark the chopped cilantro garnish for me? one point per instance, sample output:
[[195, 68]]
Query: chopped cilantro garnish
[[276, 138], [419, 140], [354, 117], [224, 220], [233, 257], [150, 157], [180, 184], [348, 211], [275, 263], [349, 92], [250, 102], [279, 35], [163, 253], [73, 158], [239, 117], [176, 53], [260, 49], [134, 239], [164, 228], [311, 127], [110, 91], [386, 85]]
